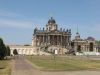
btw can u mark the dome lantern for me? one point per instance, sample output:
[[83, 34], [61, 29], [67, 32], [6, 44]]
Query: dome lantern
[[51, 20]]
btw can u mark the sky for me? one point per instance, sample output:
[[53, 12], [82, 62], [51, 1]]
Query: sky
[[18, 18]]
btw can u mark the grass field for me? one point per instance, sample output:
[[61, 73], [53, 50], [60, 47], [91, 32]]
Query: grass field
[[60, 63], [5, 67]]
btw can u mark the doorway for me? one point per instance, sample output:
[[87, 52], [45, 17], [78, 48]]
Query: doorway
[[79, 48], [91, 47]]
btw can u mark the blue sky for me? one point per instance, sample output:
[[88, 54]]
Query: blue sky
[[18, 18]]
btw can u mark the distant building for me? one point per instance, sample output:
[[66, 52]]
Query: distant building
[[51, 35], [51, 39], [85, 46], [24, 50]]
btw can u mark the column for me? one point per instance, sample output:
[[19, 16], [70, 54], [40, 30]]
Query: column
[[57, 40], [65, 41], [43, 39], [46, 39], [61, 40], [49, 39], [69, 40], [39, 40], [85, 48], [52, 39], [36, 40], [62, 44]]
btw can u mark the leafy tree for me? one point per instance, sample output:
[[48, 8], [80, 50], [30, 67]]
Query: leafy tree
[[98, 42], [26, 45], [3, 50], [15, 52], [8, 51]]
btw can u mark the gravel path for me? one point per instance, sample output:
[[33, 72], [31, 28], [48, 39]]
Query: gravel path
[[21, 67]]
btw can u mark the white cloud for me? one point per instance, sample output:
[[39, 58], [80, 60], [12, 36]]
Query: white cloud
[[4, 13], [96, 28], [15, 23], [91, 28], [12, 19]]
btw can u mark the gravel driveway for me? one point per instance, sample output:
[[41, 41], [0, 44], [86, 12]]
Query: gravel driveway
[[21, 67]]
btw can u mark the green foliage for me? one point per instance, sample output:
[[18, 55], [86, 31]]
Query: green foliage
[[8, 51], [15, 52], [26, 45], [4, 51], [98, 42]]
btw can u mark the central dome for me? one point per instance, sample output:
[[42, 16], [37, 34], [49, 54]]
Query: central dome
[[91, 38], [51, 20]]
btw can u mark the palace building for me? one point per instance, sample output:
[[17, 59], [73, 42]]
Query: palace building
[[52, 38], [87, 46], [51, 35]]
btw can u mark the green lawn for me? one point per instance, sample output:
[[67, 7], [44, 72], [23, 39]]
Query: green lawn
[[5, 67], [64, 63]]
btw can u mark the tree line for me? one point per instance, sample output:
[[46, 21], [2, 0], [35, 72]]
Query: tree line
[[4, 50]]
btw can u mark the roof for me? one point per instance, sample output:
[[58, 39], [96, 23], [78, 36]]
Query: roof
[[90, 39], [20, 46], [51, 20]]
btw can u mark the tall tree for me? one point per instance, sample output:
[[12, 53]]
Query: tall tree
[[3, 50], [8, 51]]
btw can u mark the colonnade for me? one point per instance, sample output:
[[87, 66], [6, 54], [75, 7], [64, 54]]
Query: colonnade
[[62, 40]]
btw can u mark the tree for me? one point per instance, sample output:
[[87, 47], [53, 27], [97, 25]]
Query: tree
[[8, 51], [98, 42], [3, 50], [26, 45], [15, 52]]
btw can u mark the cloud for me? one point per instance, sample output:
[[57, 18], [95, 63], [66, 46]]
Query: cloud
[[15, 23], [15, 20], [4, 13], [96, 28]]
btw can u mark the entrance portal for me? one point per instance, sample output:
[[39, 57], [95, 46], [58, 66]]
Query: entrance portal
[[91, 46], [78, 48]]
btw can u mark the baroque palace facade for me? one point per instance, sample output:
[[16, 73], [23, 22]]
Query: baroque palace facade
[[52, 38], [51, 35]]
